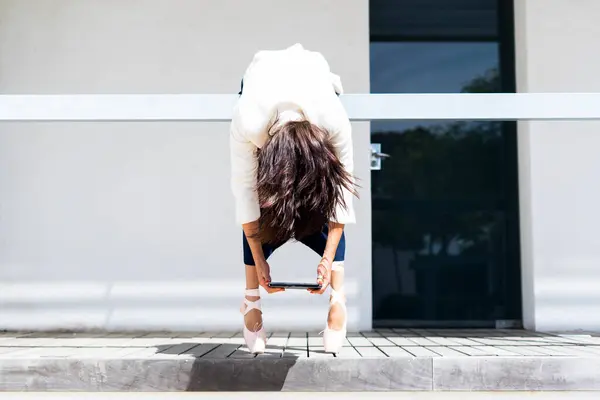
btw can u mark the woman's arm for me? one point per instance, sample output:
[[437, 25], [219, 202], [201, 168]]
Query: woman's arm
[[333, 240], [250, 230], [243, 176], [324, 269], [341, 138], [247, 209]]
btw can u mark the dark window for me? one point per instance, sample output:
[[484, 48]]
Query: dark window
[[445, 205]]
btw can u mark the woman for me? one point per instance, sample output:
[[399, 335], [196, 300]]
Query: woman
[[291, 156]]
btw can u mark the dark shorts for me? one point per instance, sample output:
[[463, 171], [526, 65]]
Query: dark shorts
[[316, 242]]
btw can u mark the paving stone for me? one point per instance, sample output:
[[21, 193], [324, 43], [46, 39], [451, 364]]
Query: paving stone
[[178, 348], [102, 353], [37, 335], [495, 351], [581, 351], [442, 332], [476, 350], [223, 335], [139, 353], [348, 352], [27, 342], [294, 342], [557, 351], [298, 334], [96, 342], [233, 341], [396, 352], [380, 341], [389, 333], [295, 352], [242, 352], [401, 341], [275, 348], [277, 341], [150, 342], [354, 334], [222, 351], [211, 334], [441, 341], [422, 341], [318, 352], [371, 334], [201, 349], [572, 339], [183, 335], [491, 341], [523, 350], [55, 352], [270, 354], [421, 352], [522, 341], [403, 332], [49, 342], [370, 352], [359, 341], [463, 341], [315, 341], [534, 341], [448, 351]]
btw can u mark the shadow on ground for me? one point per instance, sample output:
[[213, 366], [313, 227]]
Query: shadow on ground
[[214, 370]]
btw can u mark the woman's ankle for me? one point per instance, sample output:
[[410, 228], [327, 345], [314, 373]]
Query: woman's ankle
[[252, 297]]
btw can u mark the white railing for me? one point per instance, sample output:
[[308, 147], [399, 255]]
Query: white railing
[[360, 107]]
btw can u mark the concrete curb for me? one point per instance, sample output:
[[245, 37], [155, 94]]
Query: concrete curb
[[303, 374]]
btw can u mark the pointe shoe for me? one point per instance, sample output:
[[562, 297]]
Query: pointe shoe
[[256, 341], [333, 339]]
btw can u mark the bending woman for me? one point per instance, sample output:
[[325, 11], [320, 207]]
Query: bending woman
[[291, 157]]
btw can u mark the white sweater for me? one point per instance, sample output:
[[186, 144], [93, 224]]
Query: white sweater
[[294, 83]]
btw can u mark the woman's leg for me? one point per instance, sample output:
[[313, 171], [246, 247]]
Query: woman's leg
[[253, 319], [337, 316], [317, 243]]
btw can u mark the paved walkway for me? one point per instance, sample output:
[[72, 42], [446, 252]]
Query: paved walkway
[[306, 396], [409, 359]]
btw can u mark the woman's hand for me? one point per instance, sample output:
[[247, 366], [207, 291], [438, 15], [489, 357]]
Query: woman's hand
[[323, 276], [263, 272]]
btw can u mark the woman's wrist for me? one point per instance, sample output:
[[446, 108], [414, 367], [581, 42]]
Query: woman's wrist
[[326, 261]]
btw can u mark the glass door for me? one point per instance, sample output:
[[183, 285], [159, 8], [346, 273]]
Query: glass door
[[445, 201]]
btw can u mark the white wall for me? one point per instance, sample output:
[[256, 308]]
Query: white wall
[[557, 51], [130, 226]]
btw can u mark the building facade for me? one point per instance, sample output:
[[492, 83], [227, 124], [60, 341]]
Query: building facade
[[130, 225]]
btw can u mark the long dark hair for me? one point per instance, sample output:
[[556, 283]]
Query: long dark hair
[[300, 182]]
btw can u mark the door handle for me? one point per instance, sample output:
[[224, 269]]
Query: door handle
[[377, 156]]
